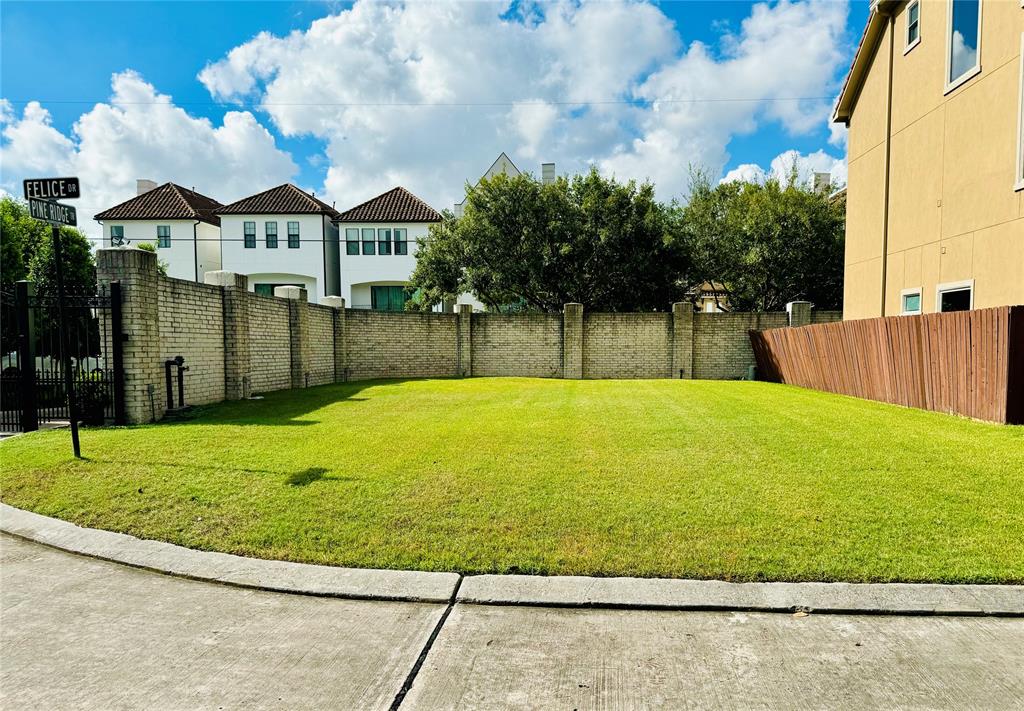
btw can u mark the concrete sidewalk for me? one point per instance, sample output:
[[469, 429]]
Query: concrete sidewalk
[[83, 633], [554, 591]]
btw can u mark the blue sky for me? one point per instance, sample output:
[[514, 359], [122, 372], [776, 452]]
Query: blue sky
[[64, 55]]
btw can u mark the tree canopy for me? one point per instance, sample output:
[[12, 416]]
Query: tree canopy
[[588, 239], [26, 251], [767, 243]]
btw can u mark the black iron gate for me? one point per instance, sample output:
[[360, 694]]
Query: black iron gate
[[32, 370]]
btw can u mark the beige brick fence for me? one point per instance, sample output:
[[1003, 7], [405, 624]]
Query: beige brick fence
[[237, 343]]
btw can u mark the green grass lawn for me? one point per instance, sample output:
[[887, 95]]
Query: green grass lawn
[[733, 480]]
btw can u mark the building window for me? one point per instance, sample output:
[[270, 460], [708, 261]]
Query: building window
[[401, 245], [387, 298], [963, 43], [293, 235], [271, 230], [163, 236], [249, 232], [955, 296], [368, 237], [910, 302], [116, 235], [913, 25], [1020, 119], [268, 289], [351, 240], [384, 241]]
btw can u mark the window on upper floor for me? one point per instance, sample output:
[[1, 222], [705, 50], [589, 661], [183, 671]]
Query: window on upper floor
[[368, 240], [271, 231], [163, 236], [293, 235], [249, 235], [963, 43], [401, 241], [116, 235], [352, 240], [384, 240], [913, 25]]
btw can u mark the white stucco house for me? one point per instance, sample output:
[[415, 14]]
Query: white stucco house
[[282, 237], [380, 238], [180, 222]]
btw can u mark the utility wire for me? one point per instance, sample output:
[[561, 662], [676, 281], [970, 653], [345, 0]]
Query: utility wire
[[428, 104]]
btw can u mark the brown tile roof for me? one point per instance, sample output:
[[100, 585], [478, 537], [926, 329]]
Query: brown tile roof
[[285, 199], [396, 205], [167, 202]]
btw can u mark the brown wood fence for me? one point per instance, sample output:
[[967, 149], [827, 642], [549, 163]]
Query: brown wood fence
[[968, 362]]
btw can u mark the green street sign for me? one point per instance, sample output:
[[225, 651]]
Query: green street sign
[[53, 212]]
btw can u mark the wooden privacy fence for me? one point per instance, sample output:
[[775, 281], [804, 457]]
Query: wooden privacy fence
[[967, 362]]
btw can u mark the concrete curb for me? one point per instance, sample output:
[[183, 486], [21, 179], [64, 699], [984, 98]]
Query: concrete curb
[[274, 575], [539, 591], [667, 594]]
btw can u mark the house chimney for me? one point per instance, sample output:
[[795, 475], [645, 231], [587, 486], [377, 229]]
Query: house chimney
[[823, 183], [547, 173], [144, 186]]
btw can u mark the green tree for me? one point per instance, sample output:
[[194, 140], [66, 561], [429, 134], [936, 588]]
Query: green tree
[[26, 248], [588, 239], [766, 243]]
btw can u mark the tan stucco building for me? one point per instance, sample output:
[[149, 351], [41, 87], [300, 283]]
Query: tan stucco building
[[935, 199]]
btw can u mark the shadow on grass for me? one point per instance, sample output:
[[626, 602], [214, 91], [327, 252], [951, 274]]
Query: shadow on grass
[[310, 475], [302, 477], [284, 407]]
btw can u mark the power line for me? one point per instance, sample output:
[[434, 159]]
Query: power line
[[431, 104]]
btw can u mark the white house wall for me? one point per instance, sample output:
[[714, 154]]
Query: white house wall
[[360, 271], [208, 248], [181, 257], [282, 265]]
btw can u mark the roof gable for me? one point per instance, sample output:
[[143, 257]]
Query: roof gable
[[863, 58], [166, 202], [285, 199], [396, 205]]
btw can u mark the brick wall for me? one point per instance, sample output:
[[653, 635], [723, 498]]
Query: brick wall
[[528, 345], [321, 344], [192, 326], [627, 345], [269, 343], [721, 342], [236, 342], [400, 345]]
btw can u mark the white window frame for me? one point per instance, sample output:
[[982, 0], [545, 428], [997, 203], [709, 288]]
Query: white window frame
[[1019, 184], [916, 291], [906, 32], [953, 286], [976, 69]]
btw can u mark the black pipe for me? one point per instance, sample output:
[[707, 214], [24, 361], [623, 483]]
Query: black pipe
[[167, 379]]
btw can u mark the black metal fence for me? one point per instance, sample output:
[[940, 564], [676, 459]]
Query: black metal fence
[[32, 372]]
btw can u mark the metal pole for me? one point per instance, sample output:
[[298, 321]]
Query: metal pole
[[24, 290], [69, 382]]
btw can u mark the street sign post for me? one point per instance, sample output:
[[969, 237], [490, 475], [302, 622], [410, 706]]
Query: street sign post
[[53, 212], [40, 193]]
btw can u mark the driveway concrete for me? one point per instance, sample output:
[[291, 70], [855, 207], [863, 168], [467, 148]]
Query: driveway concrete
[[83, 633], [527, 658]]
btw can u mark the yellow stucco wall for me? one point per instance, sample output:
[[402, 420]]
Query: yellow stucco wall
[[954, 213]]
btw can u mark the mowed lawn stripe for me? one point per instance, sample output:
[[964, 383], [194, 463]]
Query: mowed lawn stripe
[[705, 479]]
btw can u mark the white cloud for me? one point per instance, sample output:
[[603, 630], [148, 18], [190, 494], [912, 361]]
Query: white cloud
[[523, 75], [141, 134], [784, 163]]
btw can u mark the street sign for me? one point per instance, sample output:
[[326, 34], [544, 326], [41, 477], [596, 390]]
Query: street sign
[[52, 212], [51, 188]]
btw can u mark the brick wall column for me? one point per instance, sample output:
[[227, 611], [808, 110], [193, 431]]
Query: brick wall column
[[298, 331], [682, 340], [235, 300], [799, 313], [464, 334], [140, 318], [572, 341], [340, 344]]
